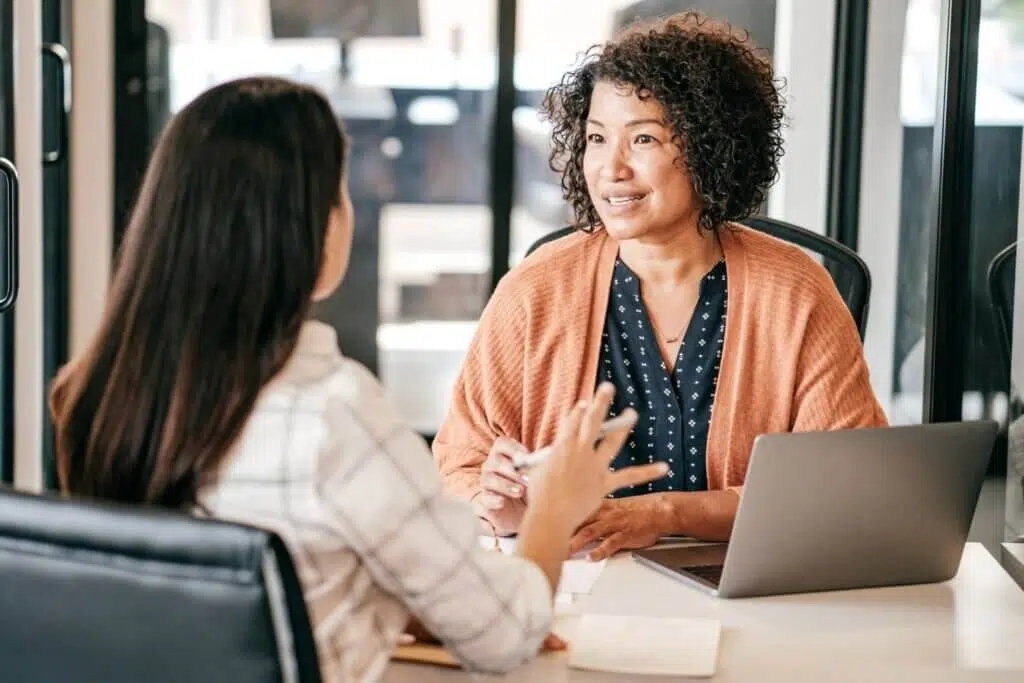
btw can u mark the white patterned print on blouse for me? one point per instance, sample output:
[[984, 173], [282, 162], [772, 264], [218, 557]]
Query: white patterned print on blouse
[[674, 408]]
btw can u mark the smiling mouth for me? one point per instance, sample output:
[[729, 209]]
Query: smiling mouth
[[624, 200]]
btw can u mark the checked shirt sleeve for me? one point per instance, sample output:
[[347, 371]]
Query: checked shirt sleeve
[[382, 493]]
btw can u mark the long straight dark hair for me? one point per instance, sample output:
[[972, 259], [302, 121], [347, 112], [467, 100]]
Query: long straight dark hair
[[213, 282]]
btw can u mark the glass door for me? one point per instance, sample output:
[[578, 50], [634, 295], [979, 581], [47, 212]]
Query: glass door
[[997, 215]]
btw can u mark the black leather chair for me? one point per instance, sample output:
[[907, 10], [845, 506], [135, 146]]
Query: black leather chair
[[92, 593], [1001, 274], [849, 271]]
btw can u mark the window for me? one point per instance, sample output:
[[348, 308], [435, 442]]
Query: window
[[414, 83]]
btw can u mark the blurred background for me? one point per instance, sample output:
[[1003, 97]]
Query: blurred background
[[903, 142]]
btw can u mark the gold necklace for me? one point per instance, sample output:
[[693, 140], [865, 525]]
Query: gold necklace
[[668, 340], [673, 340], [681, 332], [679, 335]]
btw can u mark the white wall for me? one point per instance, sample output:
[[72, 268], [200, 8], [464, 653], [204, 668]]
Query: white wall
[[28, 310], [881, 169], [803, 57], [92, 165]]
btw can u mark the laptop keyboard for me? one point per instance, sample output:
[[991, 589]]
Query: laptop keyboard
[[712, 573]]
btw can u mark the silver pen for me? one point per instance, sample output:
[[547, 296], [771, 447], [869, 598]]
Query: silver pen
[[528, 460]]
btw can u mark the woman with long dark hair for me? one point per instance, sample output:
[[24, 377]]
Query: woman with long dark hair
[[208, 389]]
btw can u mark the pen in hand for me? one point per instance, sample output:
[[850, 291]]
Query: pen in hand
[[525, 461]]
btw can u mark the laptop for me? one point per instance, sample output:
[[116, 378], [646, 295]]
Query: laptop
[[858, 508]]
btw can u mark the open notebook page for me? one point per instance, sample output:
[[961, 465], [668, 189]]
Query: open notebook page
[[650, 646]]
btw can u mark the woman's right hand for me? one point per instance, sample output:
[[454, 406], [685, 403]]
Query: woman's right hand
[[576, 477], [502, 496]]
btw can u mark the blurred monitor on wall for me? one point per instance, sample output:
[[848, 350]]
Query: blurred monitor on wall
[[344, 19]]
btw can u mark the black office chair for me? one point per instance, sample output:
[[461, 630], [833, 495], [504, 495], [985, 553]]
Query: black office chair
[[849, 271], [1001, 275], [93, 593]]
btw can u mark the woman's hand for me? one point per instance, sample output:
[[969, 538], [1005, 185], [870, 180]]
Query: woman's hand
[[416, 632], [553, 643], [502, 496], [624, 524], [576, 477]]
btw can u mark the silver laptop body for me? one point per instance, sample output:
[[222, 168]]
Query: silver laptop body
[[846, 509]]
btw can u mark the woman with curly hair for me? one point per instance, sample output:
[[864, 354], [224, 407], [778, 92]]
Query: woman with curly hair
[[664, 137]]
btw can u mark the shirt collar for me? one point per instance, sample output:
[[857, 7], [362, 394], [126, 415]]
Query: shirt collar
[[625, 280]]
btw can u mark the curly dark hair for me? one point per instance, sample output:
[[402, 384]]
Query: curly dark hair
[[720, 98]]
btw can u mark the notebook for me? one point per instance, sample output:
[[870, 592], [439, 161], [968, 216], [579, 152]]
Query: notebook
[[425, 653], [646, 646], [435, 655]]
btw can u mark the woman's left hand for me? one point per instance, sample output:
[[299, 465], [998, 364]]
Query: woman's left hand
[[624, 524]]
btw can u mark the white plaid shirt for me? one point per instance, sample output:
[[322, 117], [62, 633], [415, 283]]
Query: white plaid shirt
[[325, 462]]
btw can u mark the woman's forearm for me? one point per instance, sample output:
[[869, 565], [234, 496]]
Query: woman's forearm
[[705, 515], [544, 540]]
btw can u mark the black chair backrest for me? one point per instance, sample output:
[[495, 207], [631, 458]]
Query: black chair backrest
[[1001, 274], [849, 271], [92, 592]]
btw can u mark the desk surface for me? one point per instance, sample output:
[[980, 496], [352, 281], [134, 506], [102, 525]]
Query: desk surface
[[968, 629]]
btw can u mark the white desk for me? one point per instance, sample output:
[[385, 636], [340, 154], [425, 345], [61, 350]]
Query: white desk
[[968, 629]]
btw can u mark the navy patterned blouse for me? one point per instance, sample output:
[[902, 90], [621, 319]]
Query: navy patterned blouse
[[674, 407]]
